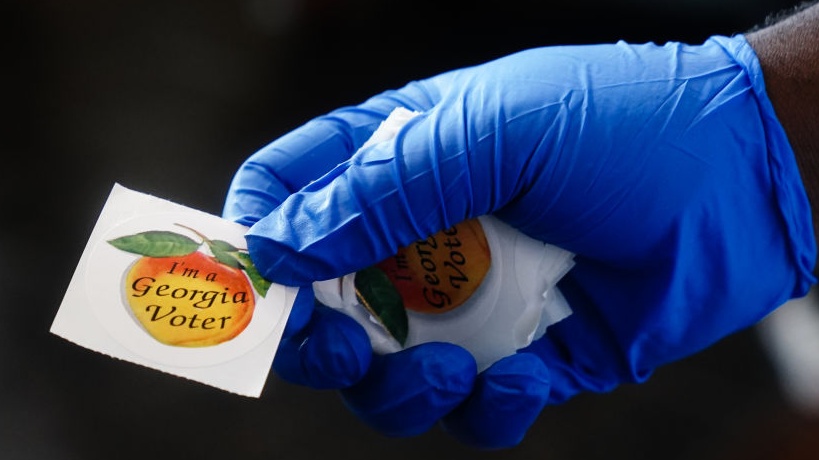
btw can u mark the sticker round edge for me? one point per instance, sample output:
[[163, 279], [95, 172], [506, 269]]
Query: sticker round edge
[[104, 288]]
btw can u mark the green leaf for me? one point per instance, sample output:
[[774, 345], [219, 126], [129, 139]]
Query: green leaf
[[226, 257], [224, 252], [259, 283], [156, 243], [219, 245], [378, 295]]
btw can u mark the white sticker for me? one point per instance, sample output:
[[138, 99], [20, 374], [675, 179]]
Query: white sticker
[[173, 288]]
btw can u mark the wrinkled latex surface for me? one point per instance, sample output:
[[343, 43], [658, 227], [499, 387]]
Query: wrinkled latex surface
[[663, 168]]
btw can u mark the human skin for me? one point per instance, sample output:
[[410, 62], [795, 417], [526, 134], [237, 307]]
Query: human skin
[[788, 51]]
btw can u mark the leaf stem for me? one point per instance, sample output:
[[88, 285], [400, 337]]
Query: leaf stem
[[205, 239]]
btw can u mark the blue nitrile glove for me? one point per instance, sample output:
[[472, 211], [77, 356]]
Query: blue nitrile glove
[[663, 168]]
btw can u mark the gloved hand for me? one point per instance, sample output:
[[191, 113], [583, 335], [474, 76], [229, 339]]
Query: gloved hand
[[663, 168]]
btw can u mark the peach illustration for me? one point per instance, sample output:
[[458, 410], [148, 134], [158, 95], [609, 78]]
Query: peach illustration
[[191, 300], [185, 297], [439, 273]]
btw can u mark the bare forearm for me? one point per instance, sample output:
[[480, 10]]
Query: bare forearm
[[788, 51]]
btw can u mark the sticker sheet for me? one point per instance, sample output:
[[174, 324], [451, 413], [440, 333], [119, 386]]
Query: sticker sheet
[[172, 288]]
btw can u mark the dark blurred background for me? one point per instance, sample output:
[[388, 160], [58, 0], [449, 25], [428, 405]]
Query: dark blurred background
[[168, 97]]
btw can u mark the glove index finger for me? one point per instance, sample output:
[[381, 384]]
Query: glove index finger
[[270, 175], [287, 164], [387, 196]]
